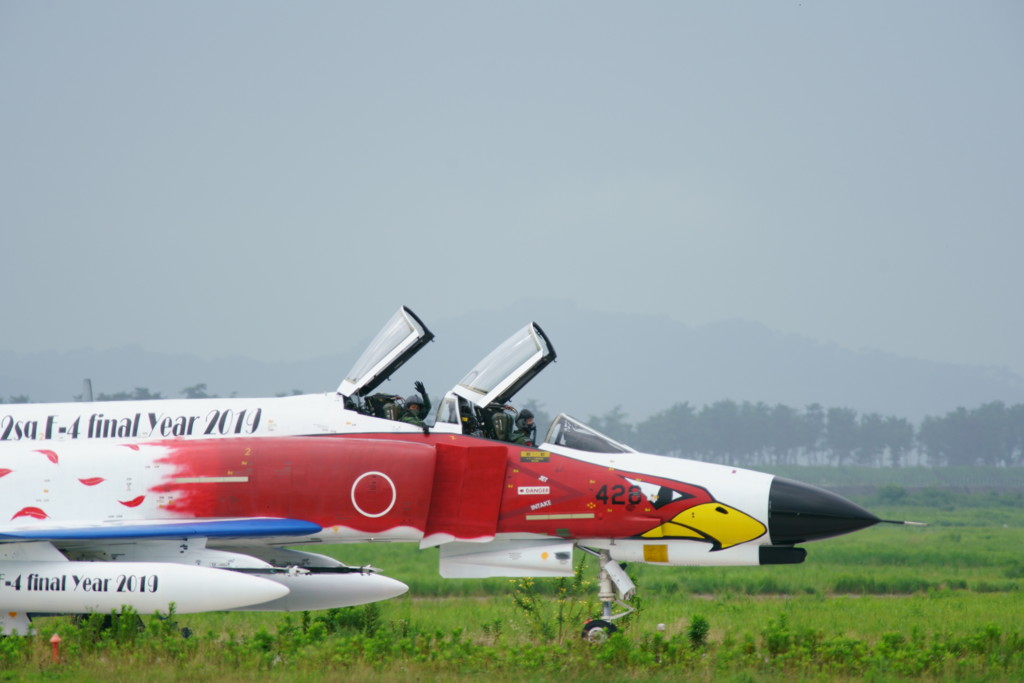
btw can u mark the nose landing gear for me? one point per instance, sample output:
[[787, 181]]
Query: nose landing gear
[[612, 582]]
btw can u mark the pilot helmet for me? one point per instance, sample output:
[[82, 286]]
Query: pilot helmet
[[413, 400]]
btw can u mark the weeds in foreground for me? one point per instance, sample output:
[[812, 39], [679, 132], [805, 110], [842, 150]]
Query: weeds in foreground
[[553, 617], [360, 639]]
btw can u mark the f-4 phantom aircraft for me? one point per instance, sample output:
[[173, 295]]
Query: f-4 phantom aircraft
[[204, 523], [345, 410]]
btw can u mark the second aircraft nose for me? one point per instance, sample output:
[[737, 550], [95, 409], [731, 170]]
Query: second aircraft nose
[[800, 512]]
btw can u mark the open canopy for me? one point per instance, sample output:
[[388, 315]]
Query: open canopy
[[401, 338], [508, 368]]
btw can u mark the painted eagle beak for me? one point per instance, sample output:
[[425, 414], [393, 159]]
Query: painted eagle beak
[[716, 523]]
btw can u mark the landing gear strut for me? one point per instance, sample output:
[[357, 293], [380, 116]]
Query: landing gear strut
[[611, 581]]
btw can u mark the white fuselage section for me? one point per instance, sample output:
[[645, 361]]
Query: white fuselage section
[[120, 421]]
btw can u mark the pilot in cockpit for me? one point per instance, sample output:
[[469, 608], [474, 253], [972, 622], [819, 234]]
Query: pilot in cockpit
[[526, 432], [416, 410]]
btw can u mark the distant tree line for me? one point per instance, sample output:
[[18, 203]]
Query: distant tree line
[[144, 394], [759, 434], [754, 434]]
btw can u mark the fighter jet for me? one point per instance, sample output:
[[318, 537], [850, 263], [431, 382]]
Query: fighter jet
[[92, 525]]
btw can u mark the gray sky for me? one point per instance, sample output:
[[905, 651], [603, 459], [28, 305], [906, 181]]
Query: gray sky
[[273, 179]]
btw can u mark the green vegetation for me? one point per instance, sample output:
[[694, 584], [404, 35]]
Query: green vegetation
[[936, 603], [782, 641]]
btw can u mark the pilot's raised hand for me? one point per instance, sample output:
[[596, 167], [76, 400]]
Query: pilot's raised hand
[[418, 386]]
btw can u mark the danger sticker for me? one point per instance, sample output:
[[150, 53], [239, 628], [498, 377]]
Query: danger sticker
[[534, 490]]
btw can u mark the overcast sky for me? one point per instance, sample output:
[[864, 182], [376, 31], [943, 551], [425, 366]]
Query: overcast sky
[[273, 179]]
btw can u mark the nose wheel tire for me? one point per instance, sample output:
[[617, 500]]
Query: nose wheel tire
[[597, 631], [612, 581]]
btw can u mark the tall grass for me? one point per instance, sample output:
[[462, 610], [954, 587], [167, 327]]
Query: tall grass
[[928, 637]]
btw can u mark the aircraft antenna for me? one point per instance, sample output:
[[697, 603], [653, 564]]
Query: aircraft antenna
[[903, 522]]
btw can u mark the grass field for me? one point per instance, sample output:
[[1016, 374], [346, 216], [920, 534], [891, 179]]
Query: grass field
[[943, 602]]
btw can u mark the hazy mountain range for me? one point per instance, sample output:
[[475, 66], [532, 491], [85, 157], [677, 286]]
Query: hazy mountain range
[[643, 363]]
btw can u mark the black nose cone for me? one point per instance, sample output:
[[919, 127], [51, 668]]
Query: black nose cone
[[800, 512]]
